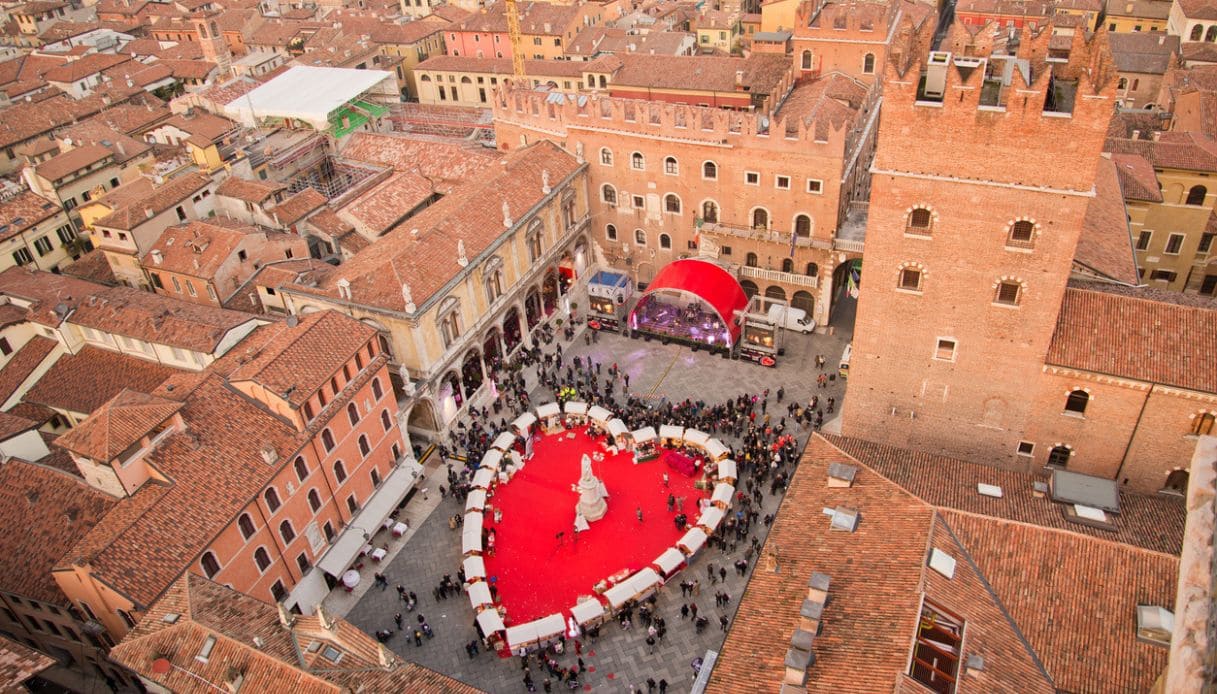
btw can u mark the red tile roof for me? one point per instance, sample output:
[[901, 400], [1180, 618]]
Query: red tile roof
[[299, 206], [1138, 337], [158, 319], [54, 510], [448, 162], [45, 291], [197, 248], [1173, 150], [23, 364], [1137, 177], [1105, 245], [12, 424], [19, 663], [23, 211], [761, 72], [81, 68], [388, 203], [118, 424], [63, 165], [248, 190], [133, 212], [84, 381]]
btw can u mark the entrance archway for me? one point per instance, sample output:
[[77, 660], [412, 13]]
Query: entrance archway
[[804, 301], [421, 425], [532, 308], [750, 288], [1176, 482], [549, 291], [450, 396], [511, 329], [775, 292], [492, 350], [471, 373]]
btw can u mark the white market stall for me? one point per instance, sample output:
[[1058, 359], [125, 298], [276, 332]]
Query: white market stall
[[619, 594], [722, 495], [521, 636], [504, 441], [716, 450], [643, 582], [710, 518], [599, 415], [669, 561], [549, 413], [471, 540], [587, 612], [476, 500], [696, 437], [671, 434], [550, 626], [726, 471], [619, 432], [474, 568], [490, 622], [645, 440], [492, 460], [482, 478], [479, 595], [575, 407], [523, 423], [692, 541]]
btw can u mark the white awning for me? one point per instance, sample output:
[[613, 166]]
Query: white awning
[[479, 594], [492, 459], [692, 541], [644, 434], [490, 621], [587, 611], [474, 568], [474, 519], [616, 428], [370, 518], [476, 500], [668, 431], [524, 421], [696, 437], [710, 518], [715, 449], [549, 409], [482, 478], [471, 540], [726, 469], [521, 635], [504, 441], [309, 592], [619, 594], [573, 407], [722, 493], [600, 415], [668, 561], [644, 580], [550, 626]]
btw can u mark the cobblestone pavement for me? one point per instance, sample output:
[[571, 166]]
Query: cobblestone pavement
[[618, 658]]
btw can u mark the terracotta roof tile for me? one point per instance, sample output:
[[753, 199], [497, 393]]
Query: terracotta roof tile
[[502, 66], [84, 381], [329, 223], [91, 267], [133, 212], [1175, 150], [1105, 245], [380, 209], [534, 16], [83, 67], [445, 161], [761, 72], [197, 248], [54, 510], [23, 211], [19, 663], [45, 291], [1142, 52], [1137, 177], [11, 424], [118, 424], [1136, 336], [248, 190], [62, 165], [159, 319], [299, 206], [23, 364]]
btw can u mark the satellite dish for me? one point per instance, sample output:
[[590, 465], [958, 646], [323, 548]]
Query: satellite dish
[[293, 321]]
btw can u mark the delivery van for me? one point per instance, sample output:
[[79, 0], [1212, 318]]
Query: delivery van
[[792, 318]]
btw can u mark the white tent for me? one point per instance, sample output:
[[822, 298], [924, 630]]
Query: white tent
[[492, 459], [644, 434], [521, 635], [574, 407], [476, 500], [479, 594], [474, 568], [726, 470], [619, 594], [692, 541], [696, 437], [722, 494], [666, 562], [549, 409], [599, 414], [715, 449], [482, 478], [643, 581], [504, 441], [669, 431], [524, 421], [490, 621], [550, 626], [710, 518], [616, 428], [471, 540], [587, 611], [474, 519]]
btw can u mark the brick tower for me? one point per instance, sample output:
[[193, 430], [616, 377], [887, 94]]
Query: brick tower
[[984, 169], [211, 40]]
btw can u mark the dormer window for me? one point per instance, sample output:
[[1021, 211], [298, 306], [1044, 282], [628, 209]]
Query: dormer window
[[936, 650]]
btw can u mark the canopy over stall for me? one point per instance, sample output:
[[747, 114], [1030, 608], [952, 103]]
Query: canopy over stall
[[492, 459], [669, 561], [474, 567], [616, 428], [692, 541], [587, 611], [599, 415], [644, 435], [722, 494], [524, 421], [668, 431], [696, 437], [619, 594], [726, 470], [644, 580], [549, 409], [710, 518], [474, 519], [504, 441], [574, 407], [483, 477], [550, 626], [479, 594], [490, 621], [715, 449], [471, 540], [476, 501], [522, 635]]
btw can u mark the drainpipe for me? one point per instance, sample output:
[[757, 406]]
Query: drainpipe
[[1124, 459]]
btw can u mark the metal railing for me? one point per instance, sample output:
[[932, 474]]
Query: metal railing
[[778, 276]]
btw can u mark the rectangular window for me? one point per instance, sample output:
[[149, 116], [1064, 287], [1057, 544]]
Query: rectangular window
[[190, 288], [156, 280], [1174, 243], [782, 182], [5, 348], [1163, 275], [936, 650], [910, 278], [177, 286], [639, 202], [1143, 240], [815, 186], [22, 256], [1206, 243], [752, 178], [66, 234], [43, 245], [724, 250], [1007, 293], [945, 350], [1026, 448]]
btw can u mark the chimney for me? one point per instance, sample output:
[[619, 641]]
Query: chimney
[[841, 475], [157, 256], [233, 680], [1136, 134], [1155, 135], [149, 213], [817, 587], [269, 454], [739, 79], [344, 288], [286, 619]]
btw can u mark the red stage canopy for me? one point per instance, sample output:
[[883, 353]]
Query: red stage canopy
[[708, 282]]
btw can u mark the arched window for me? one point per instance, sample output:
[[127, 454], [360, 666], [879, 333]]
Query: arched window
[[1196, 195], [246, 525], [287, 532], [606, 156], [637, 161], [760, 218], [910, 279], [364, 448], [1022, 234], [377, 390], [533, 240], [709, 170], [813, 270], [340, 472], [609, 195], [352, 413], [1123, 84], [805, 61], [787, 265], [709, 211], [1211, 34], [665, 241], [802, 226], [385, 420], [640, 237], [272, 499], [671, 203], [610, 232], [314, 500], [1059, 456], [1202, 425], [301, 468], [211, 565], [327, 440], [868, 64], [1197, 33], [919, 221], [1077, 401], [670, 166], [1176, 482], [750, 260], [262, 559]]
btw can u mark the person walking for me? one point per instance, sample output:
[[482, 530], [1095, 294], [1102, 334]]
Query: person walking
[[638, 512], [397, 618], [722, 622]]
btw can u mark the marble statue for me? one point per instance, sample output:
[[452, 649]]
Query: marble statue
[[592, 505]]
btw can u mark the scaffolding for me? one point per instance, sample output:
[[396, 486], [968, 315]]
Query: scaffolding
[[450, 122]]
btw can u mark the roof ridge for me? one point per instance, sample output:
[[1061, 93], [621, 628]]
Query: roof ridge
[[1065, 531]]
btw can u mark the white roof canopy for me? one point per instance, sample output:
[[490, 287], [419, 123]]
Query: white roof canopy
[[474, 567], [669, 560], [715, 449], [479, 594], [696, 436], [550, 626], [619, 594], [522, 635], [722, 493], [504, 440], [692, 541], [370, 519], [710, 518], [549, 409], [490, 621], [644, 434], [599, 414], [726, 469], [471, 539], [616, 428], [587, 610], [307, 93], [492, 459], [474, 519], [483, 477], [524, 421], [669, 431], [574, 407], [476, 500], [643, 580]]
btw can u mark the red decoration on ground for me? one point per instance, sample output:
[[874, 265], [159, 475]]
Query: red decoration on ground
[[536, 573]]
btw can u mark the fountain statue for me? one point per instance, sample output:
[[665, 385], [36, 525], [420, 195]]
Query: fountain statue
[[592, 505]]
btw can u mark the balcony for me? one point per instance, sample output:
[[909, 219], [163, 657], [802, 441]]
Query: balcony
[[768, 235], [757, 273]]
